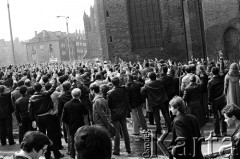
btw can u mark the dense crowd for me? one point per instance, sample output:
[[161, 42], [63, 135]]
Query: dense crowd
[[64, 96]]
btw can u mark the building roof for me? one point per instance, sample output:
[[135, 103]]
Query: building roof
[[48, 35], [54, 35]]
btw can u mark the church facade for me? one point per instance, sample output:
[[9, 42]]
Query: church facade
[[176, 29]]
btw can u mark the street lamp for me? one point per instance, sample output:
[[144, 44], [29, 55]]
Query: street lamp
[[66, 17], [10, 26]]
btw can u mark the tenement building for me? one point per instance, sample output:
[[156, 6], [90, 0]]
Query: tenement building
[[176, 29]]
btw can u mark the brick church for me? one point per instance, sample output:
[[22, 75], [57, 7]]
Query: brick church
[[176, 29]]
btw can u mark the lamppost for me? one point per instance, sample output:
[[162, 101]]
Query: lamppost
[[10, 26], [66, 17]]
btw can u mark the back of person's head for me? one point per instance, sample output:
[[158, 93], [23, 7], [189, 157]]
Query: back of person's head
[[165, 69], [193, 68], [188, 69], [104, 88], [215, 70], [45, 78], [34, 140], [23, 90], [76, 93], [93, 142], [81, 70], [27, 83], [95, 87], [37, 87], [152, 76], [193, 79], [147, 64], [20, 83], [115, 81], [177, 103], [48, 86], [61, 79], [98, 76], [232, 110], [25, 73], [66, 86]]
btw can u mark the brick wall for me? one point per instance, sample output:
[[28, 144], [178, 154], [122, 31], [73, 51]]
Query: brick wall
[[115, 39], [218, 15]]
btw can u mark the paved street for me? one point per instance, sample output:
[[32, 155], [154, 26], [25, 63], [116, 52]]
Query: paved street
[[137, 145]]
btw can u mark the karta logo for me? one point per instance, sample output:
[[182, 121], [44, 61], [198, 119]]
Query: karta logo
[[152, 143]]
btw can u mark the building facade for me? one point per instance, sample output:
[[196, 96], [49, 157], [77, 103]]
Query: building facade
[[46, 45], [20, 52], [94, 49], [176, 29]]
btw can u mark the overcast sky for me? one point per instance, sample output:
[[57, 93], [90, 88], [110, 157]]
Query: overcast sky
[[28, 16]]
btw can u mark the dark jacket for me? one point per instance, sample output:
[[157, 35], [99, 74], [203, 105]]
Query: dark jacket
[[21, 112], [6, 107], [168, 85], [118, 102], [154, 90], [73, 115], [85, 96], [186, 126], [192, 96], [215, 87], [135, 97], [30, 91], [62, 99], [41, 102], [15, 95]]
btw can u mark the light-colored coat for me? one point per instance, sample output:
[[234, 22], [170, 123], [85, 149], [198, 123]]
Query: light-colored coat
[[232, 89]]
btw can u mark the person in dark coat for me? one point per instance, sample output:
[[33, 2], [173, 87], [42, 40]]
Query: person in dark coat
[[185, 126], [217, 100], [156, 95], [119, 106], [30, 90], [62, 99], [136, 101], [40, 110], [191, 97], [73, 117], [22, 114], [6, 110], [16, 94]]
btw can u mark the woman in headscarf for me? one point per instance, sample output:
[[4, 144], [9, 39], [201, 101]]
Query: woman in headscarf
[[231, 85]]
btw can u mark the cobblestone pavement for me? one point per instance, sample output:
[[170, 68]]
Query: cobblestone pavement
[[137, 145]]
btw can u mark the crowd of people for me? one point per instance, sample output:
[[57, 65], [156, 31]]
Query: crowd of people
[[59, 98]]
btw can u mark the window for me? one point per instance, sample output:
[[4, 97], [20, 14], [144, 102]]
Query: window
[[107, 13], [50, 47], [41, 47], [110, 39], [145, 23]]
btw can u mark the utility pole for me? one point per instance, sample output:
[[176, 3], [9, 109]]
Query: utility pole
[[10, 26], [68, 38]]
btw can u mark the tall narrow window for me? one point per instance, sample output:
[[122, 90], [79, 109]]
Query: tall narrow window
[[110, 39], [107, 13]]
